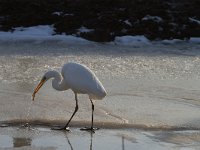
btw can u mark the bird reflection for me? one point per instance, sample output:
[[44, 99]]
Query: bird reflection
[[69, 142], [91, 136], [70, 145], [123, 147], [20, 142]]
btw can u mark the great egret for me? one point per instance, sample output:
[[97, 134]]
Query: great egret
[[80, 79]]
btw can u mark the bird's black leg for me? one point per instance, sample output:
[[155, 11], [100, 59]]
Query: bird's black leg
[[91, 128], [92, 113], [66, 126]]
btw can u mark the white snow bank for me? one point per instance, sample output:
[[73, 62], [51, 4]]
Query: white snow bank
[[46, 32], [39, 34], [132, 40]]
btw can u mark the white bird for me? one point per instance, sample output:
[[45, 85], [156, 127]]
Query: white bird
[[81, 80]]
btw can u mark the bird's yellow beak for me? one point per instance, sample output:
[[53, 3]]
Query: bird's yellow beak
[[38, 87]]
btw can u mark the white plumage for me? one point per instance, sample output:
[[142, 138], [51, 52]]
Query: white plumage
[[80, 79]]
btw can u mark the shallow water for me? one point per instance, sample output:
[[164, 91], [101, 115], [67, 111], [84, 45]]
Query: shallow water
[[151, 87], [44, 138]]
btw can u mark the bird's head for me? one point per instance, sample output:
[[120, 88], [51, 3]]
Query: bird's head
[[47, 76], [44, 79]]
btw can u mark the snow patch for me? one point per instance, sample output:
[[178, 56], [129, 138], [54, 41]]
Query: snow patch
[[39, 34], [173, 41], [128, 22], [84, 30], [43, 33], [195, 40], [40, 30], [132, 40], [192, 40], [68, 14], [194, 20], [57, 13], [153, 18]]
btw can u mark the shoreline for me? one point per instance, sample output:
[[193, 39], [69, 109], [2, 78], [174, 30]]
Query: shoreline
[[101, 125]]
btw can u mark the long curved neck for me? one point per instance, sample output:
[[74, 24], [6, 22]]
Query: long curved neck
[[58, 82]]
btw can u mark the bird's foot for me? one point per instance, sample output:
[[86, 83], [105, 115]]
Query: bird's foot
[[60, 128], [90, 129]]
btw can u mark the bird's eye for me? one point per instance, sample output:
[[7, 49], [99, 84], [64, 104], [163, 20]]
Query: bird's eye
[[44, 78]]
